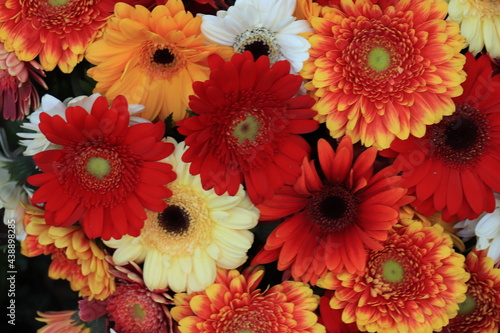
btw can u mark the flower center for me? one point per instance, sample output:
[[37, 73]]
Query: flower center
[[174, 219], [392, 271], [246, 129], [248, 319], [132, 309], [333, 209], [485, 8], [98, 170], [163, 56], [379, 59], [98, 167], [182, 227], [57, 3], [162, 61], [259, 42], [460, 139], [468, 305]]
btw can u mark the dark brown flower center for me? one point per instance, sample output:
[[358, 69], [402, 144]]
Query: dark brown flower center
[[333, 209], [460, 139], [257, 48], [163, 56], [174, 219]]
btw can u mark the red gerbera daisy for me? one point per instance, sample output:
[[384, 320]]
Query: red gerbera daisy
[[106, 172], [335, 220], [455, 166], [247, 125]]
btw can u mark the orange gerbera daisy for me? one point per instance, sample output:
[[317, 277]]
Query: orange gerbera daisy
[[152, 58], [413, 285], [58, 31], [233, 304], [74, 257], [481, 310], [334, 220], [384, 70], [455, 167]]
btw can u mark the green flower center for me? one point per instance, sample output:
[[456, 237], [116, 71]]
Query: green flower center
[[57, 3], [137, 311], [392, 271], [467, 306], [98, 167], [379, 59], [247, 129]]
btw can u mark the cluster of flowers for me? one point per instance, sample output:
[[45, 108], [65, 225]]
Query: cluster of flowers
[[364, 135]]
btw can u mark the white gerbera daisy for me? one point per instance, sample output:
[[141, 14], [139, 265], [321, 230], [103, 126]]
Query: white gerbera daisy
[[487, 230], [37, 142], [199, 231], [479, 22], [263, 27]]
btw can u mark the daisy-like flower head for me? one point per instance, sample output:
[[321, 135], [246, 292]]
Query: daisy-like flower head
[[105, 174], [334, 220], [36, 142], [62, 321], [246, 126], [263, 27], [18, 95], [480, 312], [454, 167], [152, 58], [233, 304], [479, 21], [57, 31], [414, 284], [384, 70], [199, 231], [74, 257], [487, 229]]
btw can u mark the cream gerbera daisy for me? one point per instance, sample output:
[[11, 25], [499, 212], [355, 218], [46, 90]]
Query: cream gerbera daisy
[[263, 27], [199, 231], [479, 22]]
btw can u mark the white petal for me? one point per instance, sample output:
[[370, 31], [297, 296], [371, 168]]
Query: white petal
[[489, 226], [155, 274], [204, 268], [224, 202], [494, 251], [296, 27], [237, 239], [177, 279]]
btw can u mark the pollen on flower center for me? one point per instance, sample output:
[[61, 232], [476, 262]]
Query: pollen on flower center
[[379, 59], [392, 271], [468, 305], [333, 209], [460, 138], [182, 227], [98, 167], [246, 129], [161, 60], [259, 42]]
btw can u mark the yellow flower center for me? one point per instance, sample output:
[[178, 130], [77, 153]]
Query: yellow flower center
[[392, 271], [467, 306], [379, 59], [57, 3], [98, 167], [247, 129], [182, 227], [484, 8]]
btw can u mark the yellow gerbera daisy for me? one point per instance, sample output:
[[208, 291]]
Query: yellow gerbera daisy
[[74, 257], [479, 22], [199, 231], [152, 58]]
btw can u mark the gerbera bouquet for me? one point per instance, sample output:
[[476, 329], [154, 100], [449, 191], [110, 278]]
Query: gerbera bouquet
[[250, 166]]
